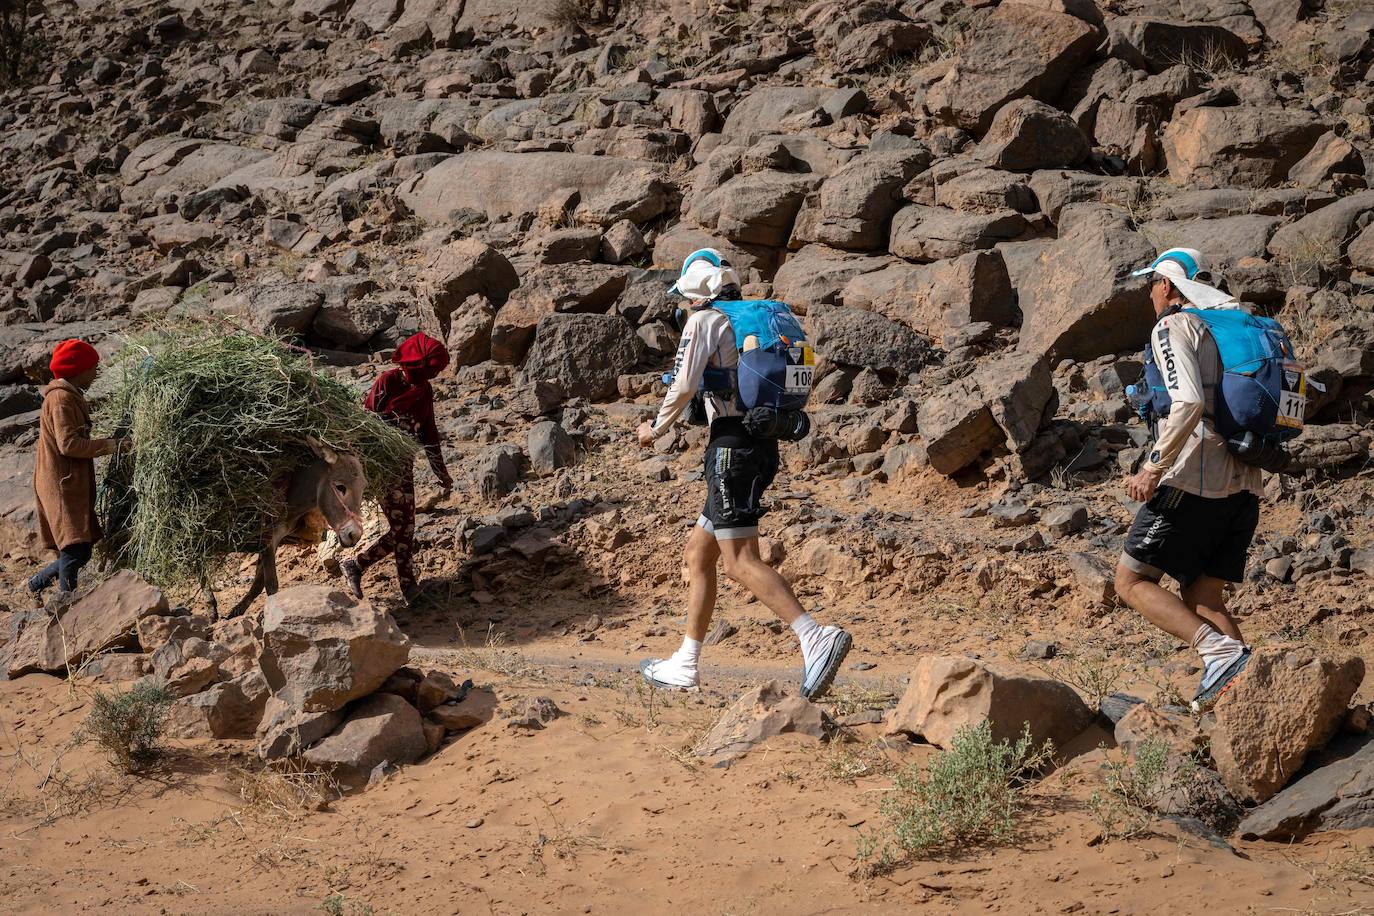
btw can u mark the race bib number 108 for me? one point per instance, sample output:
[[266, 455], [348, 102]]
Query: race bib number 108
[[801, 366]]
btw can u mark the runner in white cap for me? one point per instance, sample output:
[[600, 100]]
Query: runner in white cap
[[738, 469], [1201, 504]]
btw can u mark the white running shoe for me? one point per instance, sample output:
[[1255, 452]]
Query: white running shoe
[[827, 653], [669, 674]]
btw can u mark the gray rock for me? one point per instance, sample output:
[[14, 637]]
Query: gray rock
[[550, 448], [1337, 796], [584, 354], [855, 337], [1027, 135], [380, 730], [322, 648]]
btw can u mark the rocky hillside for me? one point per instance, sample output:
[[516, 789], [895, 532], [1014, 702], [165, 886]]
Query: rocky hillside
[[953, 194]]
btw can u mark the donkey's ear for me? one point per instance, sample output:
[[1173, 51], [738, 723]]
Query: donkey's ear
[[321, 450]]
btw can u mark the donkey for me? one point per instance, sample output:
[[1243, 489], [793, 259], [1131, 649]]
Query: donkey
[[330, 486]]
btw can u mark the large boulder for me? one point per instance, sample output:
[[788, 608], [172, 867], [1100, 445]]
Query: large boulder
[[675, 243], [584, 354], [1158, 44], [1013, 52], [1017, 388], [228, 709], [550, 289], [105, 619], [855, 337], [500, 184], [923, 234], [1323, 235], [758, 715], [957, 427], [381, 731], [873, 43], [858, 199], [1229, 239], [274, 307], [949, 693], [1078, 297], [1285, 705], [1242, 146], [936, 299], [756, 208], [1337, 796], [466, 268], [764, 109], [321, 647], [1003, 404], [815, 275], [1028, 134]]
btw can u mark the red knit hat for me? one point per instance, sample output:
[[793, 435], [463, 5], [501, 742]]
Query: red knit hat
[[71, 358]]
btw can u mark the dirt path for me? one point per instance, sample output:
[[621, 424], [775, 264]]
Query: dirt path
[[603, 811]]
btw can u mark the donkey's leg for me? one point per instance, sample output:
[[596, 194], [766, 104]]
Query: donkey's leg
[[267, 565], [253, 590], [208, 594]]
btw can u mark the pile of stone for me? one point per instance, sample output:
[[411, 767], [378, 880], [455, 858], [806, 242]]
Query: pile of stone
[[322, 677]]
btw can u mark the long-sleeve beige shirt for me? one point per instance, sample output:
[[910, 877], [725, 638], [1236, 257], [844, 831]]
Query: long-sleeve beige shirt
[[1188, 450], [707, 340]]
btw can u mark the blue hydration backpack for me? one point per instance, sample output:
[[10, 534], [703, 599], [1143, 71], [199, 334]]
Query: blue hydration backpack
[[1263, 389], [775, 366]]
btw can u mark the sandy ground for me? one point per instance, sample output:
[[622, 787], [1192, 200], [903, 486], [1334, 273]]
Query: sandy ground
[[603, 811], [606, 810]]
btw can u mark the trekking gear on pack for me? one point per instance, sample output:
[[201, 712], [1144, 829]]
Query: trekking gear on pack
[[767, 423], [1261, 398], [772, 381]]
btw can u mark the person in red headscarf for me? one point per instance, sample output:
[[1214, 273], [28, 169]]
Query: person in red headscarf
[[64, 467], [404, 398]]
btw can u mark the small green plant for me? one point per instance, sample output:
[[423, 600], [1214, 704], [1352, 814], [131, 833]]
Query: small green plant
[[1133, 789], [1094, 674], [339, 904], [128, 725], [966, 796]]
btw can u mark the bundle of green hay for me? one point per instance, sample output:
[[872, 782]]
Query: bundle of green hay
[[219, 419]]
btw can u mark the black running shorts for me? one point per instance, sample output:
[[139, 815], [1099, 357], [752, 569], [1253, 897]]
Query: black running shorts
[[1186, 536], [739, 468]]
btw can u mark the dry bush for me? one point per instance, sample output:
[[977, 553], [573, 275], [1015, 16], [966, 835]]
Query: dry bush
[[968, 795], [128, 725], [18, 45], [582, 13]]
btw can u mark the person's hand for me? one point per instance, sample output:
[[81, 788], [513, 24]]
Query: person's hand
[[1142, 486], [646, 434], [445, 486], [123, 447]]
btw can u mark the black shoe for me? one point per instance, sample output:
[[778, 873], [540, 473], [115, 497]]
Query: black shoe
[[353, 576]]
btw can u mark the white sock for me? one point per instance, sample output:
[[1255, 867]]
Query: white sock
[[807, 631], [689, 652], [1212, 645]]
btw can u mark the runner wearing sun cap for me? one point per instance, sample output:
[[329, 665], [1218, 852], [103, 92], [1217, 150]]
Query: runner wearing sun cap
[[1201, 504], [739, 467]]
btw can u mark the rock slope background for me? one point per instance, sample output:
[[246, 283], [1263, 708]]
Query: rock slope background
[[952, 194]]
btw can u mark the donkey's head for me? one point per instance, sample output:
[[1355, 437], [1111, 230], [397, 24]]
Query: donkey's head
[[338, 483]]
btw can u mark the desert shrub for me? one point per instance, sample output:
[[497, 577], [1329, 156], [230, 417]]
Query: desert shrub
[[582, 13], [17, 42], [1156, 781], [965, 796], [128, 725]]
